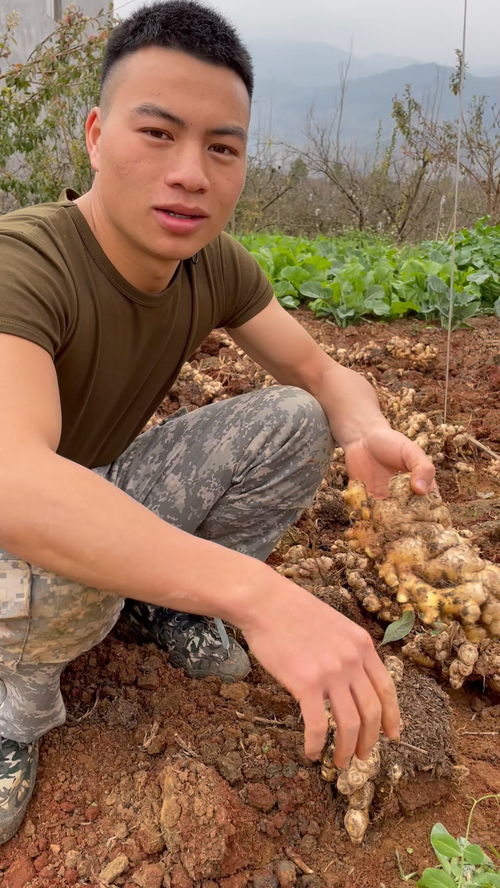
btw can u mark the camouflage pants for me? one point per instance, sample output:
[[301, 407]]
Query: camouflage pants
[[238, 472]]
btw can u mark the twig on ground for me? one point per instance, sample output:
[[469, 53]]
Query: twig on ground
[[185, 746], [483, 447], [71, 720], [479, 733], [257, 719], [410, 746]]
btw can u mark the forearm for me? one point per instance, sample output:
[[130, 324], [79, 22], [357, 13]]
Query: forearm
[[349, 401], [69, 521]]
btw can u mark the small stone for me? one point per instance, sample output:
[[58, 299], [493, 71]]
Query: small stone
[[260, 796], [230, 766], [149, 875], [264, 878], [41, 861], [286, 802], [70, 876], [286, 872], [179, 877], [68, 843], [29, 828], [72, 858], [55, 849], [91, 812], [19, 873], [150, 839], [47, 872], [237, 692], [114, 869]]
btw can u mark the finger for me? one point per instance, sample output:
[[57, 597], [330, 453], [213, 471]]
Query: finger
[[369, 707], [385, 689], [422, 477], [315, 725], [348, 722]]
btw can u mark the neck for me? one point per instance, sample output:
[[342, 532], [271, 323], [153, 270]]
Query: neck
[[142, 271]]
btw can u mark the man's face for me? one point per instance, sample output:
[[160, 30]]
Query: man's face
[[169, 152]]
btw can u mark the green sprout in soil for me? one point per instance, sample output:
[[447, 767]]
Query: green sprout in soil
[[462, 864]]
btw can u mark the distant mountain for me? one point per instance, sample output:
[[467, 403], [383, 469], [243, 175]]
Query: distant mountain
[[304, 63], [292, 77], [486, 71]]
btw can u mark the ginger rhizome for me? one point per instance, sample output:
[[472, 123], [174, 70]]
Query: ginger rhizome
[[404, 554], [374, 789]]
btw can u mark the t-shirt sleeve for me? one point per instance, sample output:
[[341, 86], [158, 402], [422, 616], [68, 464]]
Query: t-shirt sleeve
[[34, 289], [246, 287]]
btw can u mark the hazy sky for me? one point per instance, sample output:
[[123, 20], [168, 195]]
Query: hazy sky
[[428, 30]]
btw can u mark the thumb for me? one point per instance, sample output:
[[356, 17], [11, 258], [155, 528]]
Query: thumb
[[422, 477]]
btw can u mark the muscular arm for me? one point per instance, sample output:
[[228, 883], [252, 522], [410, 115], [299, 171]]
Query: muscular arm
[[66, 519], [374, 452]]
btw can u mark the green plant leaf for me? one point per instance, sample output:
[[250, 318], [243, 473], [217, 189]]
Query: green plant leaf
[[443, 842], [434, 878], [487, 880], [474, 854], [288, 301], [312, 289], [400, 628]]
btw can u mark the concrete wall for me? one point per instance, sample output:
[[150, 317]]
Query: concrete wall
[[37, 18]]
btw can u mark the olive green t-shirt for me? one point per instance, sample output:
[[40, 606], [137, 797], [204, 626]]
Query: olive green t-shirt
[[116, 350]]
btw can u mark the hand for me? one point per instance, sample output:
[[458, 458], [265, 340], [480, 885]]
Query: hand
[[318, 654], [381, 453]]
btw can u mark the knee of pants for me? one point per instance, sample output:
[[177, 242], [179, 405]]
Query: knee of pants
[[46, 619], [307, 419]]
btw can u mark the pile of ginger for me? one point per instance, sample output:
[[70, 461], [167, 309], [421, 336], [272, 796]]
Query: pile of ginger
[[403, 554]]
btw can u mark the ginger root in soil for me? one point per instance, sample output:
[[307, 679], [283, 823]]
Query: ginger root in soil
[[404, 554], [373, 789]]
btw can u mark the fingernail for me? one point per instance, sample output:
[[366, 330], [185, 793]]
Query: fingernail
[[421, 485]]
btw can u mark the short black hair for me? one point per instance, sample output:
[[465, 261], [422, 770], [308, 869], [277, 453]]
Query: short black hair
[[182, 25]]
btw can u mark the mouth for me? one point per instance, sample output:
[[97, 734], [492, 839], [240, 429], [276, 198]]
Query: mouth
[[180, 220], [182, 212]]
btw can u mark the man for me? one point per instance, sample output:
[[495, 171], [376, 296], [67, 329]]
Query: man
[[102, 300]]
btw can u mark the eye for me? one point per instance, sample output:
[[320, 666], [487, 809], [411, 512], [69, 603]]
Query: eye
[[157, 134], [225, 150]]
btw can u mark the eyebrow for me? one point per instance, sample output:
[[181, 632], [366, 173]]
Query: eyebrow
[[149, 109]]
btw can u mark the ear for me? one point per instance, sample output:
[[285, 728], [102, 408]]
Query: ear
[[93, 126]]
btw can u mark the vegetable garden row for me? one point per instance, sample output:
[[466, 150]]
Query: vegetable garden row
[[356, 275]]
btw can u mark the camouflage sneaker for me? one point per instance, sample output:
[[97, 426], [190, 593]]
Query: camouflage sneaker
[[192, 643], [18, 763]]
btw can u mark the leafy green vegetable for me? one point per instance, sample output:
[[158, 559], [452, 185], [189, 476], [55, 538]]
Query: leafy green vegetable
[[356, 276]]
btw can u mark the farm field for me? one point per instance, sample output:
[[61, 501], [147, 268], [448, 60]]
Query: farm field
[[245, 800]]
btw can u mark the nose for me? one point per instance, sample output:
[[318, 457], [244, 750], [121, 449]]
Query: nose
[[187, 168]]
